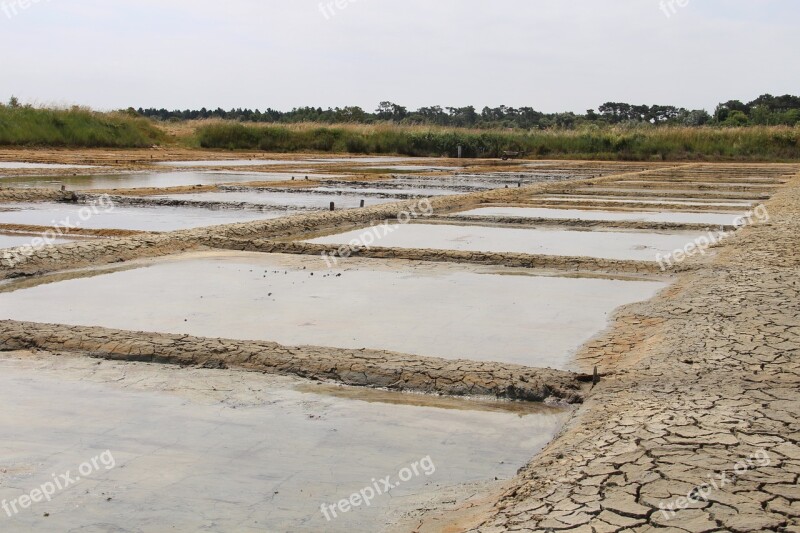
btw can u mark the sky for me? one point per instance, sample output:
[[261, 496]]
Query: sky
[[552, 55]]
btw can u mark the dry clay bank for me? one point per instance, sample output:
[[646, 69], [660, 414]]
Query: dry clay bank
[[685, 408]]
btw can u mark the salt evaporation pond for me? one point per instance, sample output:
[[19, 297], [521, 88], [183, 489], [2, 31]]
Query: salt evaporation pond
[[285, 199], [652, 201], [428, 309], [226, 450], [641, 246], [15, 240], [721, 219], [128, 218], [152, 180]]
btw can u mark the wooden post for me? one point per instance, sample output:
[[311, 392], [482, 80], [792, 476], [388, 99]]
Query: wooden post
[[333, 206], [595, 377], [363, 203]]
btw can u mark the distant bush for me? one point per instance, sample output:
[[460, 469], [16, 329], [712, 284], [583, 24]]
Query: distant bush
[[618, 142], [74, 128]]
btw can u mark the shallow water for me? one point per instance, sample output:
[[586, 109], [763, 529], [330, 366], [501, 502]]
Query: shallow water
[[375, 159], [653, 201], [420, 168], [226, 163], [432, 310], [490, 180], [221, 450], [155, 180], [293, 199], [388, 190], [449, 182], [566, 214], [699, 195], [10, 240], [128, 218], [602, 244]]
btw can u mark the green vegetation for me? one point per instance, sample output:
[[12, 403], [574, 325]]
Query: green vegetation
[[610, 142], [74, 128], [758, 131], [766, 110]]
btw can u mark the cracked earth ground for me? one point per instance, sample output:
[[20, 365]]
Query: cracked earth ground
[[705, 376]]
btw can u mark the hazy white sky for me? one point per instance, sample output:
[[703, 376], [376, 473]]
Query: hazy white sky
[[553, 55]]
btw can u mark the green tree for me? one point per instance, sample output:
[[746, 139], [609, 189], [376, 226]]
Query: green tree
[[736, 118]]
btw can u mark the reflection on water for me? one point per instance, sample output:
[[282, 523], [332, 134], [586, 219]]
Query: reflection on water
[[148, 180]]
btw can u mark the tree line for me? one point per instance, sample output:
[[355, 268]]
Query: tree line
[[764, 110]]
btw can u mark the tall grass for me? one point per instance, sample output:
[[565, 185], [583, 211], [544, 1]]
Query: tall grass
[[83, 128], [643, 143], [74, 128]]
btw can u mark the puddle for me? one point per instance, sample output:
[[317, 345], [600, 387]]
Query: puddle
[[286, 199], [221, 450], [155, 180], [567, 214], [129, 218], [12, 165], [639, 246], [428, 309]]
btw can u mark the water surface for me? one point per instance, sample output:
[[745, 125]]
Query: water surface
[[638, 216], [431, 310], [641, 246], [153, 179], [128, 218], [221, 450]]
